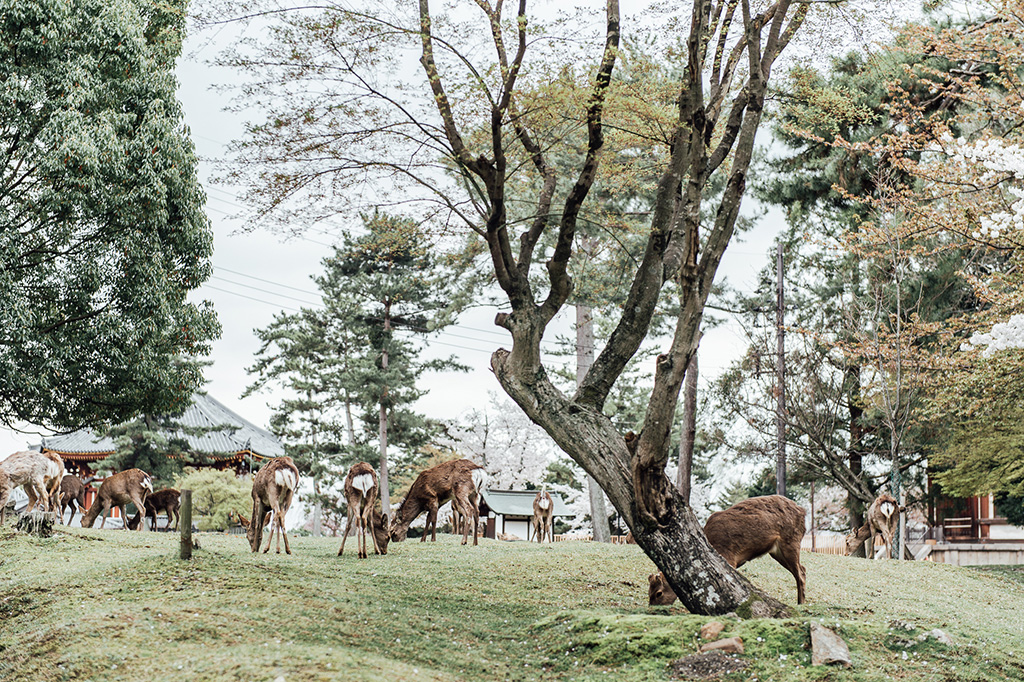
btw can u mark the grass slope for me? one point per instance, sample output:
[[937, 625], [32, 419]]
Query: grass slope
[[109, 605]]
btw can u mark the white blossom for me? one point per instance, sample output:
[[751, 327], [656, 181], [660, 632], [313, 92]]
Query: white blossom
[[1009, 334]]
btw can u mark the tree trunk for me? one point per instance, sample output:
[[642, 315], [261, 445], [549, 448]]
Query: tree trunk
[[685, 473], [677, 544], [385, 491], [584, 359], [316, 507]]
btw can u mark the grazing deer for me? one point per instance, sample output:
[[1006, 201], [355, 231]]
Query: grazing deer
[[543, 511], [361, 496], [40, 473], [273, 488], [881, 520], [131, 485], [237, 517], [72, 495], [771, 525], [460, 481], [167, 501]]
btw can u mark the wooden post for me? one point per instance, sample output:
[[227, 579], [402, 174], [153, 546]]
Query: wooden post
[[186, 524]]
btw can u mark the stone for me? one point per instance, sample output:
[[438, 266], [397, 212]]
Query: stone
[[938, 635], [711, 630], [732, 645], [828, 648]]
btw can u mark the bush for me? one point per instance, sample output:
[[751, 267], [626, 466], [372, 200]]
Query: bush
[[214, 495]]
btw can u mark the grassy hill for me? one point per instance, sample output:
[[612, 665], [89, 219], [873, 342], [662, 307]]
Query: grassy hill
[[109, 605]]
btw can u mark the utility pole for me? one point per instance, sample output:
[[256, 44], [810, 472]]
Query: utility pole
[[584, 359], [780, 372], [385, 491]]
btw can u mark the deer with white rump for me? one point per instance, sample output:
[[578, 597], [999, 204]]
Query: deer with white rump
[[882, 516], [361, 495], [131, 485], [273, 488], [460, 481], [543, 511]]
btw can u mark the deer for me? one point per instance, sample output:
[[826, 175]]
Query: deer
[[130, 485], [361, 496], [459, 480], [39, 472], [167, 501], [771, 524], [543, 510], [273, 489], [241, 520], [72, 495], [881, 520]]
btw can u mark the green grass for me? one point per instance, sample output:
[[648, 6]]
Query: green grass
[[109, 605]]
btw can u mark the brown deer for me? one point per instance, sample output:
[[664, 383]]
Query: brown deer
[[167, 501], [273, 488], [543, 511], [72, 495], [460, 481], [881, 520], [361, 496], [39, 472], [131, 485], [238, 518], [749, 529]]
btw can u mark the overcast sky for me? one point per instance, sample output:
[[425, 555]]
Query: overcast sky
[[257, 274]]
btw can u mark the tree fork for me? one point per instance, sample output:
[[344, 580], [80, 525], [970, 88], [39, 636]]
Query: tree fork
[[677, 545]]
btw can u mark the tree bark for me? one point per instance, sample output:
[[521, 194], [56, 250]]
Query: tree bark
[[678, 544], [684, 474]]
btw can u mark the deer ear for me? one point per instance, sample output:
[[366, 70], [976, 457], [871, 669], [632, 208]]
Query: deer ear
[[384, 520]]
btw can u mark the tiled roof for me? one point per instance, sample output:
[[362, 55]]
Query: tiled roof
[[520, 502], [238, 436]]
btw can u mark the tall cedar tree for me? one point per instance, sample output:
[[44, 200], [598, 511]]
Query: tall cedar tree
[[103, 231]]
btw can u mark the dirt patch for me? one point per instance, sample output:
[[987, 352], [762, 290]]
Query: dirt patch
[[707, 666]]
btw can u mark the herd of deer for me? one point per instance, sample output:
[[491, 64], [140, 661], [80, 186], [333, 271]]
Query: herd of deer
[[770, 525]]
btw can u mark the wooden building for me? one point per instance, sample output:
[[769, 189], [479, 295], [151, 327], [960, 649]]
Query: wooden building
[[228, 439], [511, 512]]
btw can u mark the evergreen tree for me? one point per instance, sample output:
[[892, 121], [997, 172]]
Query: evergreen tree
[[396, 290], [102, 229]]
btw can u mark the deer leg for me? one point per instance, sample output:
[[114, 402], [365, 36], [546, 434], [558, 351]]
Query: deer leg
[[270, 538], [475, 501], [103, 514], [431, 519], [464, 513], [141, 505], [284, 513], [789, 558], [348, 528]]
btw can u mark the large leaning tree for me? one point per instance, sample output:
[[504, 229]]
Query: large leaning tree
[[347, 122], [102, 229]]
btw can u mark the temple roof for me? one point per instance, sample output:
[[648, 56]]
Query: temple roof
[[520, 502], [239, 435]]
